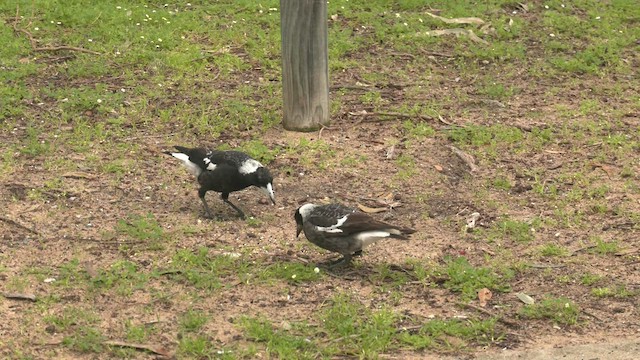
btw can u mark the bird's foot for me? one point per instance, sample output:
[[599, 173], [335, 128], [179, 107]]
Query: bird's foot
[[344, 261]]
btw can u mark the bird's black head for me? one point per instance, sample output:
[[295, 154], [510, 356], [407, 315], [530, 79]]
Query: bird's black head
[[264, 180]]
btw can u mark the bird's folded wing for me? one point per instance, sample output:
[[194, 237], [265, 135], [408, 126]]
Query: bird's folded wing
[[349, 225]]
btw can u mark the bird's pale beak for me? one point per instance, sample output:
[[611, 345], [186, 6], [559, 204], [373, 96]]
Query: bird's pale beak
[[268, 190], [298, 229]]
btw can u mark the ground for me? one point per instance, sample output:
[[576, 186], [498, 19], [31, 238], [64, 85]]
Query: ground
[[103, 238]]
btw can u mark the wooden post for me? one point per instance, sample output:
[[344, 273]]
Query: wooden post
[[305, 69]]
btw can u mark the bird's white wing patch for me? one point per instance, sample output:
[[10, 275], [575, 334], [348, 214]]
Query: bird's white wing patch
[[191, 167], [210, 166], [334, 228], [369, 237], [249, 166]]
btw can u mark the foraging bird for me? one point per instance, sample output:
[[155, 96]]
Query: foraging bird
[[343, 230], [224, 172]]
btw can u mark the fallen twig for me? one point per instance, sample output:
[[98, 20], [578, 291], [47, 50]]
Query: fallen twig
[[156, 349], [591, 315], [466, 158], [19, 296], [34, 43], [365, 113], [489, 313], [435, 53], [546, 266], [411, 56], [11, 221]]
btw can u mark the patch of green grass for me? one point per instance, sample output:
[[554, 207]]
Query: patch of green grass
[[496, 91], [515, 230], [202, 270], [312, 153], [619, 291], [193, 320], [356, 328], [259, 151], [281, 343], [140, 227], [32, 145], [418, 130], [137, 333], [71, 317], [196, 347], [553, 250], [467, 279], [559, 310], [388, 278], [502, 183], [407, 166], [436, 334], [590, 279], [605, 248], [123, 275], [291, 272], [85, 339]]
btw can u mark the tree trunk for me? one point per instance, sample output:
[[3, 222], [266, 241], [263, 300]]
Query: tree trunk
[[305, 71]]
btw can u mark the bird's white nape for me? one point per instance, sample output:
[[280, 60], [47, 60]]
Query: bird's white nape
[[306, 209], [191, 167], [249, 166]]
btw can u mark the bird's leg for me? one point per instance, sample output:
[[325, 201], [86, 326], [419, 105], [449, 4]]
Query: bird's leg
[[225, 198], [201, 194], [344, 261]]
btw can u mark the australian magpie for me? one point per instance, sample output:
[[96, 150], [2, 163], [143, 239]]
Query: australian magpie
[[224, 172], [343, 230]]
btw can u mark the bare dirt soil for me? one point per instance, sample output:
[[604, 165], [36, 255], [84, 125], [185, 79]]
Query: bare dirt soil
[[42, 233]]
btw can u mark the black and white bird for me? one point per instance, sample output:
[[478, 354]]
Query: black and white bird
[[224, 172], [343, 230]]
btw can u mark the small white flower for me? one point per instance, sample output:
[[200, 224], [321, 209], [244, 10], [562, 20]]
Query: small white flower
[[90, 40], [117, 52], [59, 23], [168, 22], [546, 6], [397, 15], [118, 7], [188, 4], [36, 28], [137, 24], [552, 35], [123, 90], [316, 270], [99, 101], [159, 40], [597, 17], [157, 46], [420, 19], [141, 37], [293, 276]]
